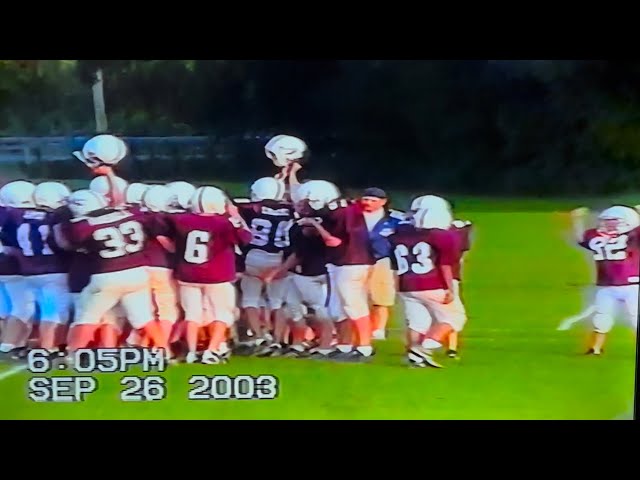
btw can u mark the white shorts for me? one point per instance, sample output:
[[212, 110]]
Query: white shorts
[[5, 299], [257, 263], [307, 292], [164, 293], [129, 287], [205, 303], [348, 292], [114, 317], [22, 299], [421, 307], [51, 292], [608, 299]]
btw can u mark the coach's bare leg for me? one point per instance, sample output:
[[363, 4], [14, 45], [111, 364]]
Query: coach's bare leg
[[379, 318]]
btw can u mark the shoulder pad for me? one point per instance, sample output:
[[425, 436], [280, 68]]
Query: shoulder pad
[[398, 214], [460, 223], [338, 204]]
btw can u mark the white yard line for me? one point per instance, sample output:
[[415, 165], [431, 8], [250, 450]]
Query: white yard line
[[12, 371]]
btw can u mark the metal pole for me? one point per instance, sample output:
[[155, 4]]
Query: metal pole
[[98, 103]]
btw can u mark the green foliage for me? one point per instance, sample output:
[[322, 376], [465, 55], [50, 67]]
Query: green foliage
[[508, 127]]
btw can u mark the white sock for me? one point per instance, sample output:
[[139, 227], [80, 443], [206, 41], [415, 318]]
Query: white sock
[[6, 347], [345, 348], [366, 350], [431, 344], [223, 348]]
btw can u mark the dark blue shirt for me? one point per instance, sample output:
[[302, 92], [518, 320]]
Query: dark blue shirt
[[378, 236]]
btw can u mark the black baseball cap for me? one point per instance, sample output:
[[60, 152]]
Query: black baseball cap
[[374, 192]]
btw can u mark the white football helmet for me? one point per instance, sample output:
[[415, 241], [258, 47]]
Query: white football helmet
[[18, 194], [101, 185], [134, 192], [318, 193], [429, 201], [102, 150], [618, 220], [50, 195], [267, 188], [181, 193], [208, 200], [82, 202], [433, 218], [284, 149], [157, 198]]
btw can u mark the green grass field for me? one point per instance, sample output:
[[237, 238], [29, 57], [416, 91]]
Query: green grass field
[[521, 278]]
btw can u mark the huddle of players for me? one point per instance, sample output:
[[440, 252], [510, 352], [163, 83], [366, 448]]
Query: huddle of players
[[125, 256]]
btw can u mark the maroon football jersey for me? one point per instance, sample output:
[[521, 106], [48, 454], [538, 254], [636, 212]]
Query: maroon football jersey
[[81, 266], [115, 239], [419, 252], [617, 257], [345, 221], [157, 255], [310, 251], [463, 230], [270, 222], [29, 231], [205, 246], [8, 263]]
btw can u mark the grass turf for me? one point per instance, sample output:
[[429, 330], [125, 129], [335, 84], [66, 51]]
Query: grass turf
[[520, 279]]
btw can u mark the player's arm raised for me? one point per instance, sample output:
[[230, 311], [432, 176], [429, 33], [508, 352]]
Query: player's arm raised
[[578, 217], [243, 231]]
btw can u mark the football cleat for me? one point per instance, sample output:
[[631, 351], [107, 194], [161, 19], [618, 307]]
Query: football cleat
[[354, 356], [418, 355], [452, 354], [295, 352], [212, 358], [19, 353], [192, 357], [272, 350], [592, 351]]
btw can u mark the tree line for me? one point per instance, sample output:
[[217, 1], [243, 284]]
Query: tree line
[[503, 127]]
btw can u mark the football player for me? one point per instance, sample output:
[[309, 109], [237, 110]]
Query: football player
[[615, 244], [115, 240], [14, 292], [343, 228], [43, 266], [269, 219], [307, 286], [424, 258], [156, 201], [205, 242], [463, 230]]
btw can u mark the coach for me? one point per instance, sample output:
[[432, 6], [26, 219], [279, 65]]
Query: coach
[[381, 286]]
